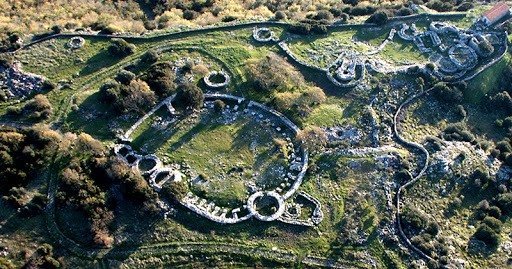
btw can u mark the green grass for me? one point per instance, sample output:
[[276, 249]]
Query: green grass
[[326, 115], [400, 52], [229, 156], [54, 60], [486, 82]]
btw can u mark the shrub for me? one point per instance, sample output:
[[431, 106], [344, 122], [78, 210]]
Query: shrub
[[465, 6], [487, 235], [175, 190], [190, 15], [378, 18], [47, 85], [160, 78], [133, 97], [299, 103], [120, 48], [323, 15], [457, 132], [404, 11], [280, 15], [413, 219], [38, 108], [125, 77], [229, 18], [447, 94], [273, 73], [300, 29], [150, 57], [494, 212], [150, 25], [492, 223], [440, 6], [501, 100], [218, 105], [6, 264], [188, 97], [505, 202]]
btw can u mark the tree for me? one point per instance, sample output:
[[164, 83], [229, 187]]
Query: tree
[[378, 18], [505, 202], [160, 78], [487, 235], [188, 97], [120, 48]]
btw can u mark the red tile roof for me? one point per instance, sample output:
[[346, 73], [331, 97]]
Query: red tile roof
[[497, 12]]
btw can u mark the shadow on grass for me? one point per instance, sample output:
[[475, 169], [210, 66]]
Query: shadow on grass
[[97, 118], [99, 61]]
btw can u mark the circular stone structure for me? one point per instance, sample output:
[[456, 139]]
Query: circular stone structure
[[76, 42], [263, 34], [272, 196], [225, 193], [463, 56], [217, 79]]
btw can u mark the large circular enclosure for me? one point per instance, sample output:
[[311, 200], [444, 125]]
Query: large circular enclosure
[[229, 150]]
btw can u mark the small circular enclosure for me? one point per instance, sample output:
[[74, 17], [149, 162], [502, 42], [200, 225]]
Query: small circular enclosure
[[76, 42], [267, 206], [147, 165], [216, 79], [131, 159], [263, 35]]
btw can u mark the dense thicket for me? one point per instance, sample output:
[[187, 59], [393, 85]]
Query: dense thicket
[[37, 109], [87, 181]]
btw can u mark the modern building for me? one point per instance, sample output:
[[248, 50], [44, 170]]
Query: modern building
[[496, 13]]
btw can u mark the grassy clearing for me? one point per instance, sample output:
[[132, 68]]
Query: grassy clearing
[[54, 60], [227, 156], [486, 82], [400, 52], [326, 115]]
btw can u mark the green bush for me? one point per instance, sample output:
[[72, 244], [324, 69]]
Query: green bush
[[378, 18], [487, 235], [447, 94], [188, 97], [218, 105], [505, 203], [125, 77], [150, 57], [120, 48], [161, 79]]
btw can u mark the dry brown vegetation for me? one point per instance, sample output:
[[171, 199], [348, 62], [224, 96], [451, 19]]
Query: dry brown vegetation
[[31, 16]]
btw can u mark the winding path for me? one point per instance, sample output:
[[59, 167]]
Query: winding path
[[402, 188]]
